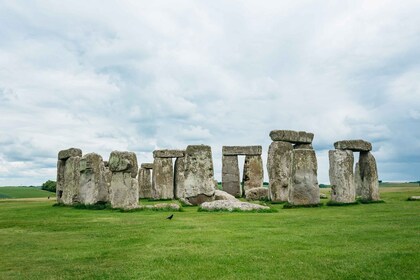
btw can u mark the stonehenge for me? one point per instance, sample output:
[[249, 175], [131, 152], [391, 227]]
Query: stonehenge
[[346, 183], [292, 168], [253, 172], [188, 175]]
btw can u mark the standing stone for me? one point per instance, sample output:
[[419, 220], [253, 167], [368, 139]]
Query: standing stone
[[179, 178], [199, 182], [341, 176], [71, 181], [124, 189], [163, 179], [93, 186], [60, 180], [369, 177], [303, 188], [230, 176], [279, 166], [253, 176], [145, 183], [357, 180]]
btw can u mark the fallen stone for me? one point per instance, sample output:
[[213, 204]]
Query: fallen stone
[[241, 150], [341, 176], [279, 166], [169, 206], [184, 201], [260, 193], [253, 176], [221, 195], [323, 195], [369, 177], [124, 191], [414, 197], [303, 188], [145, 183], [72, 152], [163, 179], [230, 176], [123, 162], [199, 174], [179, 178], [353, 145], [168, 153], [292, 136], [230, 205], [146, 165], [93, 185]]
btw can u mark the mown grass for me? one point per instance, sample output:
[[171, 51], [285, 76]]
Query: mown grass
[[365, 241], [23, 192]]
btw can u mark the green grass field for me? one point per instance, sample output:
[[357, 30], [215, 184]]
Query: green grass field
[[23, 192], [365, 241]]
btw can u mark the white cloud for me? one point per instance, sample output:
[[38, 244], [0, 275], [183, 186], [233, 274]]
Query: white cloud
[[140, 76]]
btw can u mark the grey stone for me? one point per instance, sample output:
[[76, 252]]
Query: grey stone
[[163, 178], [60, 180], [292, 136], [260, 193], [172, 206], [357, 180], [279, 166], [414, 197], [168, 153], [179, 178], [353, 145], [124, 191], [146, 165], [341, 176], [303, 146], [123, 162], [72, 152], [323, 196], [230, 176], [199, 182], [145, 183], [241, 150], [222, 195], [71, 176], [369, 177], [93, 185], [231, 205], [303, 188], [253, 176]]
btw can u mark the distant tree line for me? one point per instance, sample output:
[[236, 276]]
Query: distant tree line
[[49, 186]]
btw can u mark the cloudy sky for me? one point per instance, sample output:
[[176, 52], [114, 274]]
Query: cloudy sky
[[145, 75]]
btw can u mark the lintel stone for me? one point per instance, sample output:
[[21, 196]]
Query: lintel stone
[[168, 153], [72, 152], [291, 136], [353, 145], [242, 150], [148, 165]]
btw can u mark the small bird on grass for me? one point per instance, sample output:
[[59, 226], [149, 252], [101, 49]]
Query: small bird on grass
[[170, 217]]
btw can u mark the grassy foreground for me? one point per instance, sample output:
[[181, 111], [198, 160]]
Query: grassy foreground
[[370, 241], [23, 192]]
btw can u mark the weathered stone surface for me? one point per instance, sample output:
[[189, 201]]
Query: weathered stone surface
[[71, 177], [222, 195], [172, 206], [199, 182], [303, 188], [93, 183], [72, 152], [253, 176], [124, 191], [303, 146], [60, 180], [145, 183], [341, 176], [323, 196], [353, 145], [414, 197], [279, 166], [368, 176], [357, 180], [179, 178], [146, 165], [241, 150], [230, 176], [292, 136], [231, 205], [163, 178], [260, 193], [168, 153], [123, 162]]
